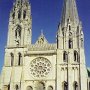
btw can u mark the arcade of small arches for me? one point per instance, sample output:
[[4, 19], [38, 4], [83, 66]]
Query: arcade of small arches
[[20, 14], [75, 54], [19, 63], [65, 57], [41, 86]]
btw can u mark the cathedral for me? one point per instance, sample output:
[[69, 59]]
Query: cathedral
[[43, 65]]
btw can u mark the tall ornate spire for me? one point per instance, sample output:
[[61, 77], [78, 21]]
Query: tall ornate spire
[[70, 27], [69, 12]]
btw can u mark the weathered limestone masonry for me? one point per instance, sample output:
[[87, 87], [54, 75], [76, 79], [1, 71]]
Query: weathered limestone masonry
[[44, 66]]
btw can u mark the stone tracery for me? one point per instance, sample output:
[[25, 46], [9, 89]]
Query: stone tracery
[[40, 67]]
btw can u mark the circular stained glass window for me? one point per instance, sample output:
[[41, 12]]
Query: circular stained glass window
[[40, 67]]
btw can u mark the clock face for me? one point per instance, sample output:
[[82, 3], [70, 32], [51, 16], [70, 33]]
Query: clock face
[[40, 67]]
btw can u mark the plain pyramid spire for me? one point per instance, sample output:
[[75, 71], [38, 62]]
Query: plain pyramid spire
[[69, 12]]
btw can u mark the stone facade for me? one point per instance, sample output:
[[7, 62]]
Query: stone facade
[[44, 66]]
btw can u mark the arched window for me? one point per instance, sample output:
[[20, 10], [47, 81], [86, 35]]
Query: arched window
[[50, 88], [75, 56], [16, 87], [24, 14], [65, 85], [40, 86], [65, 56], [70, 43], [12, 59], [75, 85], [29, 88], [18, 32], [19, 59], [19, 14]]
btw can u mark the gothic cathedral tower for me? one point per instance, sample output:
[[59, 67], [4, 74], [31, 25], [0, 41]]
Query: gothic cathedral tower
[[20, 24], [44, 66], [70, 49]]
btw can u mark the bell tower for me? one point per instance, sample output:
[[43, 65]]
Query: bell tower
[[20, 24], [70, 52]]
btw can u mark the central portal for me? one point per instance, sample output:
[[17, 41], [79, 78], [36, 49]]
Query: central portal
[[40, 86]]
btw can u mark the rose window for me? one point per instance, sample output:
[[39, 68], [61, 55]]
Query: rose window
[[40, 67]]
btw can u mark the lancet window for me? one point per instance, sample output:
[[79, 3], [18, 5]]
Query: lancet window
[[76, 57], [19, 59], [65, 56], [12, 59]]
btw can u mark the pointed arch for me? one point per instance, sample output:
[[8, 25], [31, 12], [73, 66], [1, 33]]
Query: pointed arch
[[76, 56], [29, 88], [65, 85], [19, 59], [50, 87], [12, 59], [75, 84], [65, 56]]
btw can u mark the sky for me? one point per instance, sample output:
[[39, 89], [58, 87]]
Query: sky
[[46, 15]]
